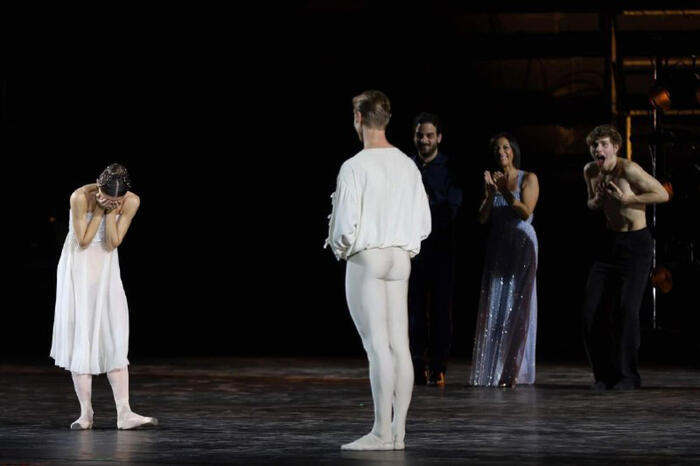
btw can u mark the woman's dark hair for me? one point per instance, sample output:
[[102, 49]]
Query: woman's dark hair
[[114, 180], [513, 144]]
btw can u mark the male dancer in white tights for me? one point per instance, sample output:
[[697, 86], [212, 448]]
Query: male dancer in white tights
[[380, 216]]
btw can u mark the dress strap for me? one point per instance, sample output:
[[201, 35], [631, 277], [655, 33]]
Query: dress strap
[[521, 174]]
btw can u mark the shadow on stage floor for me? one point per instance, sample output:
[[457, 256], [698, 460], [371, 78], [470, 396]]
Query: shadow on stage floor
[[299, 411]]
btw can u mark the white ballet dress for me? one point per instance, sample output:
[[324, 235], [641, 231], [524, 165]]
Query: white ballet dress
[[91, 320]]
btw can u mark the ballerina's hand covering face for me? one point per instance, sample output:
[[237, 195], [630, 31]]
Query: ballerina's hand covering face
[[109, 203]]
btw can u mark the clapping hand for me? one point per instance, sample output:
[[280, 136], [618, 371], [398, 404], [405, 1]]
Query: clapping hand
[[500, 180], [489, 184]]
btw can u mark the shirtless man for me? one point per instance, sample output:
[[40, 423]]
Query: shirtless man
[[618, 277]]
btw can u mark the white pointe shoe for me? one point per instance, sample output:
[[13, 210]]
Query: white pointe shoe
[[81, 424], [134, 421], [399, 445], [368, 442]]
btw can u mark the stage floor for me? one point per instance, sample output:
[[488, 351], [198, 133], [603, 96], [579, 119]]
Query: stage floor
[[299, 411]]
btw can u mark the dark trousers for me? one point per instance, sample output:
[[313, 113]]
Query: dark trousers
[[430, 307], [614, 292]]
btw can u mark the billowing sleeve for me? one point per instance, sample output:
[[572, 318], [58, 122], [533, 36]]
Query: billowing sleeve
[[345, 217], [422, 218], [425, 225]]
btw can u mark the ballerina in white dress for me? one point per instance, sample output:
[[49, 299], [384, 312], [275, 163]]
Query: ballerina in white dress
[[91, 321]]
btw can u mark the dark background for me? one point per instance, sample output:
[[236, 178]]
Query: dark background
[[234, 124]]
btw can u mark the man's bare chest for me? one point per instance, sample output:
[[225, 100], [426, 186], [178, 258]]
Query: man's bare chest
[[604, 179]]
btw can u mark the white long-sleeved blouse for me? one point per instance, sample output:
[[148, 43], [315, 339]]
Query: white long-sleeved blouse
[[379, 202]]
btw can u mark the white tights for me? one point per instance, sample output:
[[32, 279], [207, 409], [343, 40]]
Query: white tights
[[83, 388], [119, 380], [376, 287]]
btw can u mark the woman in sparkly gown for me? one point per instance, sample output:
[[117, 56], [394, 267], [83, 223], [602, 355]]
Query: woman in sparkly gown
[[506, 326]]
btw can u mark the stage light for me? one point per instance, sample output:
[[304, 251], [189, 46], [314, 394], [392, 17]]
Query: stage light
[[662, 279], [677, 88], [660, 97]]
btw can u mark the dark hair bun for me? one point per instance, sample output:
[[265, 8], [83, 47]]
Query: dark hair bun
[[114, 180]]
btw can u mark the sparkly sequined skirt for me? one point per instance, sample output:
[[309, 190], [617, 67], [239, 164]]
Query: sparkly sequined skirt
[[506, 327]]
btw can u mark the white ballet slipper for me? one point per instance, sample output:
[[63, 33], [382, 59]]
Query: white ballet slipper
[[81, 424], [132, 420], [368, 442]]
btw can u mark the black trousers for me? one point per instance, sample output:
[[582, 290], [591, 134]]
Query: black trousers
[[430, 305], [614, 292]]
